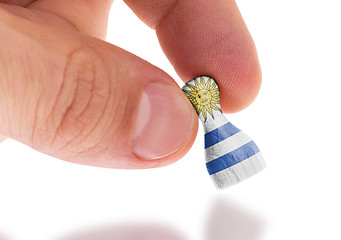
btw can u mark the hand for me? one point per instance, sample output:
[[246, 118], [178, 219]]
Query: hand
[[66, 93]]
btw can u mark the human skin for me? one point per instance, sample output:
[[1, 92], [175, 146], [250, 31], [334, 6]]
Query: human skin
[[66, 92]]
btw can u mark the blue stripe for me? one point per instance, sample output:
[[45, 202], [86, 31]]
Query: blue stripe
[[232, 158], [219, 134]]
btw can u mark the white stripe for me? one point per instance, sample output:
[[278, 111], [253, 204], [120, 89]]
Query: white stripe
[[226, 146], [240, 171], [211, 124]]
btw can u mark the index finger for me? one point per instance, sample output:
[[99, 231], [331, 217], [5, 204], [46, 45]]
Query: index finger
[[206, 38]]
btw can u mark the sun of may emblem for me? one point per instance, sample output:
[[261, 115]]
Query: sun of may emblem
[[204, 96]]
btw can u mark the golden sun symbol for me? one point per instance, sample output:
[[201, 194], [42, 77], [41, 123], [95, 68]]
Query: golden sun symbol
[[204, 96]]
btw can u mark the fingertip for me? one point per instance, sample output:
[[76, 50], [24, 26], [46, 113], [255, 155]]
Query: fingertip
[[239, 77], [239, 85], [182, 151], [141, 163], [165, 123], [212, 39], [206, 38]]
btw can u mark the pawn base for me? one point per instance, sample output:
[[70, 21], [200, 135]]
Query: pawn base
[[239, 171]]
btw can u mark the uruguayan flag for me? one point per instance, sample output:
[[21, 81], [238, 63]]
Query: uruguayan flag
[[231, 156]]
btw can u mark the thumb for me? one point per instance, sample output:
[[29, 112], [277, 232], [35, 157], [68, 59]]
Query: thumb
[[2, 138], [83, 100]]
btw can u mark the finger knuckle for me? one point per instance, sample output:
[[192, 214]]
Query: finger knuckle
[[81, 101]]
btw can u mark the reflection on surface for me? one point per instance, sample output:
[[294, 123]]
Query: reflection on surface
[[2, 237], [129, 232], [227, 221]]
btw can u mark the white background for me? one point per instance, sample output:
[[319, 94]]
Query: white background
[[295, 121]]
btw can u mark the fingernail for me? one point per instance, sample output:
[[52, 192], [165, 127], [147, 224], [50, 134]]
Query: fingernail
[[164, 121]]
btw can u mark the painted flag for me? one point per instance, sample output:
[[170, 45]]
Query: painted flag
[[231, 156]]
